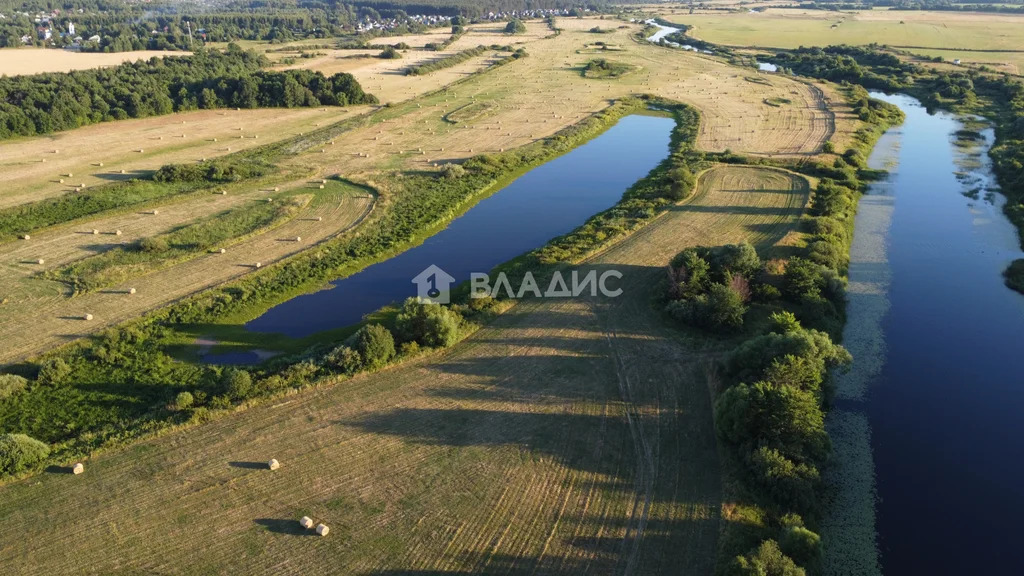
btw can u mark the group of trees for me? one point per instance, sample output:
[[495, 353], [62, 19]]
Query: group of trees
[[772, 418], [710, 287], [44, 103]]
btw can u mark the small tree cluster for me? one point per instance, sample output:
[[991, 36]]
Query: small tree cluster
[[19, 453], [428, 323], [710, 287]]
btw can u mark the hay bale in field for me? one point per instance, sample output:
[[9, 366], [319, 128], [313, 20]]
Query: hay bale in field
[[70, 175], [141, 150], [61, 181], [41, 261], [258, 265], [26, 236], [223, 251], [131, 291], [95, 232], [306, 522], [277, 189], [78, 468], [117, 232], [100, 164], [321, 186], [223, 192], [322, 529], [122, 171], [298, 238], [273, 464], [319, 218], [155, 212], [324, 181], [214, 139], [87, 317], [270, 199], [55, 151]]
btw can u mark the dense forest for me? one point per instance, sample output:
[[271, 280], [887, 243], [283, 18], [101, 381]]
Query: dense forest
[[44, 103]]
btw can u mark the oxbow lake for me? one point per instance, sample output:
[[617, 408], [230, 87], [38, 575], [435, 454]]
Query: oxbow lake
[[545, 202]]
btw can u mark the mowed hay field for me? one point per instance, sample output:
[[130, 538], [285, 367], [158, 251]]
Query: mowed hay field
[[57, 319], [948, 34], [14, 62], [31, 168], [569, 436]]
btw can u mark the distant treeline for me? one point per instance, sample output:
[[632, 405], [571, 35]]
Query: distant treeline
[[45, 103]]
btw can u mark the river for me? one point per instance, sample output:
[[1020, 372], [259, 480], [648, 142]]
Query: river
[[548, 201], [936, 393]]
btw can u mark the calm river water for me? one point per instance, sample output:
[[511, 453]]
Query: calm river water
[[945, 390]]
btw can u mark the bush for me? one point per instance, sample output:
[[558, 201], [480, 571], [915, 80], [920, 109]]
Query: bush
[[11, 384], [428, 323], [767, 560], [515, 27], [389, 53], [777, 417], [19, 453], [153, 245], [789, 484], [750, 360], [183, 401], [237, 383], [452, 171], [784, 322], [803, 546], [803, 278], [54, 371], [345, 360], [376, 345]]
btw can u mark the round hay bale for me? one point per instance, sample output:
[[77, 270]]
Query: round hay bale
[[223, 251], [117, 232], [55, 151], [323, 181], [141, 150], [70, 175], [258, 265], [273, 464], [319, 218], [277, 189], [82, 185], [41, 261], [42, 159], [306, 522], [100, 164], [155, 212], [87, 317], [131, 291], [214, 139], [78, 468], [270, 199], [61, 181], [223, 192], [122, 170], [322, 529], [321, 186], [298, 238], [95, 232], [26, 236]]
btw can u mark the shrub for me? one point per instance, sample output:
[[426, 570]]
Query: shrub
[[19, 453], [803, 278], [767, 560], [153, 244], [784, 322], [515, 27], [54, 371], [803, 546], [237, 383], [789, 484], [345, 360], [428, 323], [376, 345], [751, 359], [389, 53], [827, 254], [183, 401], [11, 384], [452, 171], [828, 147]]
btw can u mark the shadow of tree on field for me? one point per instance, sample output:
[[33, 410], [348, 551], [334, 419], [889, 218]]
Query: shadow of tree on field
[[284, 526]]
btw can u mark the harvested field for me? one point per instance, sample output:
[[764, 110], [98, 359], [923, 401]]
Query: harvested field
[[570, 436], [56, 319], [31, 169], [14, 62]]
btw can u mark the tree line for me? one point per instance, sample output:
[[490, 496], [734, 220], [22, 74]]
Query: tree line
[[45, 103]]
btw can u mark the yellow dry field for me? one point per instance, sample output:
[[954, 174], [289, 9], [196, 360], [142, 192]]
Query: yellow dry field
[[58, 319], [31, 168], [17, 61], [569, 436], [536, 96]]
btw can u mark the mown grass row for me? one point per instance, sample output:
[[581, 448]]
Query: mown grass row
[[154, 252]]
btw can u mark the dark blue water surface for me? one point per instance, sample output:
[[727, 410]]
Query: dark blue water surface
[[947, 409], [546, 202]]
